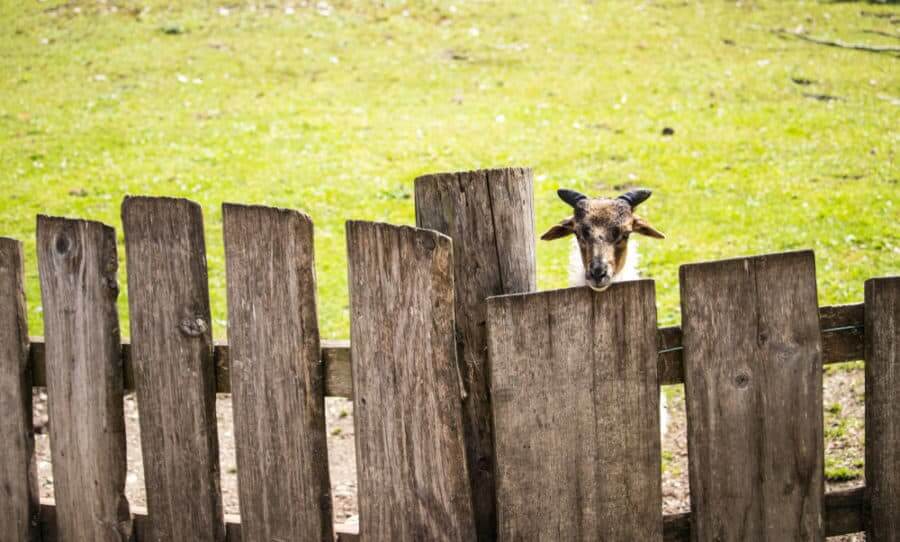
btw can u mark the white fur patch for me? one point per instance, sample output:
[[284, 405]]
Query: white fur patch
[[629, 272]]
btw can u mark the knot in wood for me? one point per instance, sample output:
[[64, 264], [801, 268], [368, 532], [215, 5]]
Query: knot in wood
[[742, 380], [193, 327], [62, 244]]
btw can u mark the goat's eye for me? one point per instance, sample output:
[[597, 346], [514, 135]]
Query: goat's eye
[[623, 238]]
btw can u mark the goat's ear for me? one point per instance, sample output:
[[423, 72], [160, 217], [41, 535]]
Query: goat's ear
[[643, 227], [564, 228]]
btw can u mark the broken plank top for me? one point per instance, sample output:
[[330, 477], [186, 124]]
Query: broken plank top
[[413, 483], [85, 386], [171, 346], [576, 422], [753, 392], [276, 375]]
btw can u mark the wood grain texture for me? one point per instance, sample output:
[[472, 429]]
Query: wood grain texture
[[276, 375], [78, 267], [489, 214], [171, 349], [883, 408], [18, 477], [753, 391], [411, 463], [576, 414]]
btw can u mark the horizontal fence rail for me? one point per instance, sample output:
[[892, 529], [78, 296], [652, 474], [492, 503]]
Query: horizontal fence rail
[[842, 328]]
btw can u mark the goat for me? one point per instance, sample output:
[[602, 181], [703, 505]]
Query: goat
[[600, 253]]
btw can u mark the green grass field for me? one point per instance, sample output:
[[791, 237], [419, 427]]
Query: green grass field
[[333, 109]]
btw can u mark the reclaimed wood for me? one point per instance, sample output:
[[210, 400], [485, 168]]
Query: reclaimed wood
[[18, 477], [753, 391], [407, 411], [883, 408], [576, 414], [171, 350], [276, 375], [489, 215], [78, 268], [841, 342]]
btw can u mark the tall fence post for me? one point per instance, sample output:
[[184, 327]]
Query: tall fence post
[[410, 452], [19, 505], [883, 408], [79, 287], [171, 348], [489, 215]]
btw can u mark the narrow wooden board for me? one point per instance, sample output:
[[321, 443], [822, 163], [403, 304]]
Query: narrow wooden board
[[883, 408], [78, 268], [19, 506], [753, 391], [411, 463], [276, 375], [171, 347], [576, 414], [489, 215]]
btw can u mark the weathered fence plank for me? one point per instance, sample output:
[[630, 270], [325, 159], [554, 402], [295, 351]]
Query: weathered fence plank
[[78, 268], [883, 408], [753, 390], [489, 214], [413, 483], [276, 375], [576, 414], [172, 353], [18, 478]]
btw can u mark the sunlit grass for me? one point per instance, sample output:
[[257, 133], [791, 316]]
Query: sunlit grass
[[335, 109]]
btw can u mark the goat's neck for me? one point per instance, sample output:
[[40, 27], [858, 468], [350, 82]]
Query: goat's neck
[[629, 271]]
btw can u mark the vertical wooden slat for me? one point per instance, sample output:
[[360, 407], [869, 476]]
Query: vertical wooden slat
[[753, 390], [489, 215], [276, 375], [576, 414], [79, 286], [410, 452], [19, 505], [883, 408], [171, 348]]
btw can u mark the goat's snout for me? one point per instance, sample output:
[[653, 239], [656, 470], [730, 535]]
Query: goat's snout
[[598, 271]]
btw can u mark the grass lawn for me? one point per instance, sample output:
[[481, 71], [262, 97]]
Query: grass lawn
[[333, 109]]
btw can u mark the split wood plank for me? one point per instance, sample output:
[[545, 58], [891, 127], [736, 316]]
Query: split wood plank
[[883, 408], [753, 392], [276, 375], [411, 462], [78, 267], [19, 505], [171, 347], [576, 414], [489, 215]]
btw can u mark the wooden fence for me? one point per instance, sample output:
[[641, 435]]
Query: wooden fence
[[481, 411]]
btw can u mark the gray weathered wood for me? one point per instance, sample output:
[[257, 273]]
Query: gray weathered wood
[[576, 414], [171, 347], [413, 483], [276, 375], [753, 391], [883, 408], [489, 214], [18, 477], [78, 268]]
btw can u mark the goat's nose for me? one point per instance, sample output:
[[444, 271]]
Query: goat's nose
[[599, 271]]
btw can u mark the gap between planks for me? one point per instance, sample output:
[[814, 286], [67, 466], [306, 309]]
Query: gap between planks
[[843, 339]]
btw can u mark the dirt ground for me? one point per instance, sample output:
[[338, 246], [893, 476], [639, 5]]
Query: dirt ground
[[844, 415]]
